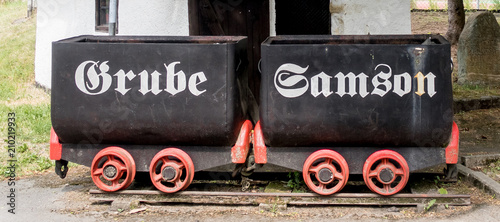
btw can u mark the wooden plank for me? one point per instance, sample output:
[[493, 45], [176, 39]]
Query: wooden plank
[[209, 17], [194, 23], [298, 199], [240, 18]]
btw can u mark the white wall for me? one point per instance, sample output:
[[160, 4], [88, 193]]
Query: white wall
[[153, 17], [360, 17], [59, 19]]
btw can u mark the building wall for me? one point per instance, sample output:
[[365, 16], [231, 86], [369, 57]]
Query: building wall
[[59, 19], [153, 17], [361, 17]]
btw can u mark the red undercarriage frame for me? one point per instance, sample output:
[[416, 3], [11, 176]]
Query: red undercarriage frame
[[452, 149], [325, 171], [55, 146], [239, 152]]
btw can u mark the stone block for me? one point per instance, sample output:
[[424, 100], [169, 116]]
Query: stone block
[[479, 50]]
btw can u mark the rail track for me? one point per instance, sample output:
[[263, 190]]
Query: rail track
[[289, 199]]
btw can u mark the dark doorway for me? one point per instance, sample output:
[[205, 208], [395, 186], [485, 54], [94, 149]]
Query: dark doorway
[[299, 17], [234, 17]]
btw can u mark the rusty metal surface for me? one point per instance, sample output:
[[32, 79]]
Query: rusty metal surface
[[291, 199]]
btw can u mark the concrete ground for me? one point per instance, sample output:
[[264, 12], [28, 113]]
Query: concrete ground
[[51, 204]]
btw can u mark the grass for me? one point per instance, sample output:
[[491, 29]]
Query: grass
[[17, 44], [18, 93], [465, 91]]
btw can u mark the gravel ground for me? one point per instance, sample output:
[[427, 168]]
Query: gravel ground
[[52, 199]]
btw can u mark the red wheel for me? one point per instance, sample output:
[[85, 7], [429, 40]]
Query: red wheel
[[171, 170], [113, 169], [386, 172], [325, 172]]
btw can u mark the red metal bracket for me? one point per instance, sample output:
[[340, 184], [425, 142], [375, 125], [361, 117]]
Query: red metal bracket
[[452, 149], [239, 152], [55, 146], [259, 146]]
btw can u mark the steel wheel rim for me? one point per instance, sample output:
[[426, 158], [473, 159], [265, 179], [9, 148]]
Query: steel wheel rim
[[388, 161], [335, 168], [121, 161], [171, 158]]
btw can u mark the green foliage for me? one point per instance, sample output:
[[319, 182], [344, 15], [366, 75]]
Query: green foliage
[[22, 148], [274, 208], [18, 95], [430, 204], [468, 4], [496, 5], [493, 167], [295, 181], [437, 180], [34, 122], [5, 1], [433, 5], [17, 50], [413, 4], [464, 91], [442, 191]]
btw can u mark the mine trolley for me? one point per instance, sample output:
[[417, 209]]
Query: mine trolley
[[329, 106]]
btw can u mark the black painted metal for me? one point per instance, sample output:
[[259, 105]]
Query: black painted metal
[[409, 120], [168, 173], [203, 157], [109, 172], [61, 168], [386, 175], [418, 158], [325, 175], [205, 112]]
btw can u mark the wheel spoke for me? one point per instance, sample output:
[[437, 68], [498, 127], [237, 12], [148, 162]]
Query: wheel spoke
[[98, 172], [328, 161], [372, 174], [165, 159], [321, 186], [385, 162], [157, 178], [178, 166], [121, 167], [178, 183], [173, 163], [115, 183], [387, 188], [314, 169], [180, 173], [110, 157], [399, 172], [339, 176]]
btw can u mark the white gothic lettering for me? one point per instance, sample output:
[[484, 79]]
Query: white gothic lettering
[[91, 82], [290, 82]]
